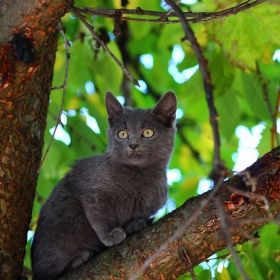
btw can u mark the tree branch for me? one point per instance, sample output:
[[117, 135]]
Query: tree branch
[[199, 230], [104, 46], [163, 17], [64, 86], [218, 169], [264, 85]]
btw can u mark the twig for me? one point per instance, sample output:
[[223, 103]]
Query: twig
[[226, 222], [191, 17], [253, 196], [168, 13], [276, 110], [223, 218], [137, 12], [57, 87], [249, 181], [58, 121], [230, 11], [264, 84], [96, 37], [123, 42], [222, 257], [248, 236], [208, 87], [79, 135], [152, 92], [188, 263]]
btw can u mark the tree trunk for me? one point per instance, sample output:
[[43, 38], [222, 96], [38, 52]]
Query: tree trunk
[[26, 78], [197, 233]]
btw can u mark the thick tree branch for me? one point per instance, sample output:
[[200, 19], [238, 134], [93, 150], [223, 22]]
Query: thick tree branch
[[199, 238], [24, 98]]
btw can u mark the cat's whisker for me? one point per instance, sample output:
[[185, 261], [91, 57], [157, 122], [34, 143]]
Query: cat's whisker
[[109, 159]]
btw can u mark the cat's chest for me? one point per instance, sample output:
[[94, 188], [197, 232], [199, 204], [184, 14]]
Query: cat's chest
[[139, 194], [139, 183]]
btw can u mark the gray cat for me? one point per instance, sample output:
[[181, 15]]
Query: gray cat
[[107, 197]]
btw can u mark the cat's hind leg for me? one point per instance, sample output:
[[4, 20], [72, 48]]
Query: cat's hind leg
[[81, 258]]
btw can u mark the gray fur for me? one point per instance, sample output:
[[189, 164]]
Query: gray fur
[[107, 197]]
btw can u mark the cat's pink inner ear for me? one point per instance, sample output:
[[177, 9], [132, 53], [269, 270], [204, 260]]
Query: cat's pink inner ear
[[167, 106], [113, 106]]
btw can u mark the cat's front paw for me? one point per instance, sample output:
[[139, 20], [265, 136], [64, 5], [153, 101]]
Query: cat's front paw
[[116, 236], [135, 226]]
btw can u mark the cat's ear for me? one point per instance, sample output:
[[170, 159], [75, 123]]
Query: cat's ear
[[165, 110], [114, 107]]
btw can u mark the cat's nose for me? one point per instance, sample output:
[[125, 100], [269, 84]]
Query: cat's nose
[[133, 146]]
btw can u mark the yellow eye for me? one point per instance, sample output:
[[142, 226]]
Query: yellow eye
[[123, 134], [148, 133]]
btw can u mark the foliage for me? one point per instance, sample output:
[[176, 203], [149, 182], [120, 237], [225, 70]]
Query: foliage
[[239, 50]]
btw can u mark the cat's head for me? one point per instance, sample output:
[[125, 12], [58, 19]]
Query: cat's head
[[141, 137]]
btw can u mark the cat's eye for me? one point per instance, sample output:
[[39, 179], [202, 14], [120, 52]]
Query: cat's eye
[[148, 133], [123, 134]]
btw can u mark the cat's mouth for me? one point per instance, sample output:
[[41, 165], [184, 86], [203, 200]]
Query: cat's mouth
[[135, 155]]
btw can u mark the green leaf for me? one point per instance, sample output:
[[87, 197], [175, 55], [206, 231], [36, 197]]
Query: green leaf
[[204, 274], [222, 74], [248, 85], [229, 113], [224, 275], [83, 140], [239, 36], [107, 74]]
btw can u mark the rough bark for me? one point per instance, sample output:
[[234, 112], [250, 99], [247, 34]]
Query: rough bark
[[24, 99], [200, 239]]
